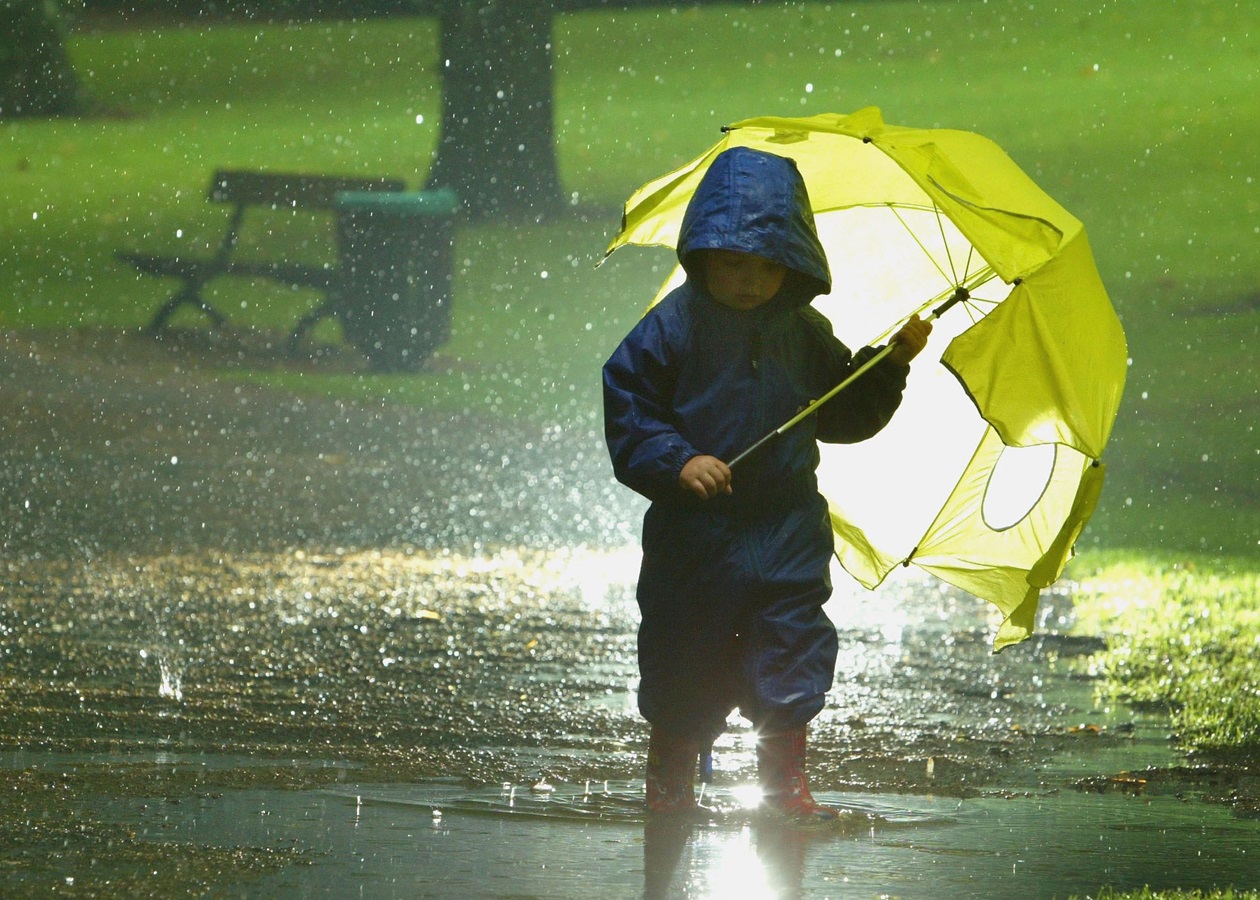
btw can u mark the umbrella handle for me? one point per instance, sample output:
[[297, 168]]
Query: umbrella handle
[[958, 296]]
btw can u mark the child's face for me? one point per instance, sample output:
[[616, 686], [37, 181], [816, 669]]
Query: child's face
[[740, 280]]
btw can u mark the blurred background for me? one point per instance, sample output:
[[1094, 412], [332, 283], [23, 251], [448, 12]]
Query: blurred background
[[1137, 117]]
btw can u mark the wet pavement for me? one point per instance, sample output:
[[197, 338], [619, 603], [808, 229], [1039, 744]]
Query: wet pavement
[[251, 644]]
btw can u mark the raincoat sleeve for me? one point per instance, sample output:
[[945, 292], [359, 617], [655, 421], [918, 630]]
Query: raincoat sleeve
[[862, 409], [647, 450]]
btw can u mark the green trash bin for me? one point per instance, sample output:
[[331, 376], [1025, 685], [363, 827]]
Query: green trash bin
[[396, 253]]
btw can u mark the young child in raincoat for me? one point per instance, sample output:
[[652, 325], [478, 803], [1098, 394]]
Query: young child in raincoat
[[735, 567]]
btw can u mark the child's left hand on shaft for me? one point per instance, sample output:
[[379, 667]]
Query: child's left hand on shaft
[[910, 340]]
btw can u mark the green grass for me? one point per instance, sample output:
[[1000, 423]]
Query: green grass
[[1139, 117], [1182, 636], [1148, 894]]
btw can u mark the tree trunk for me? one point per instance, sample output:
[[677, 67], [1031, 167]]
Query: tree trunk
[[497, 147], [36, 78]]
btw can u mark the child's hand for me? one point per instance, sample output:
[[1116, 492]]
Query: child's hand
[[910, 340], [705, 476]]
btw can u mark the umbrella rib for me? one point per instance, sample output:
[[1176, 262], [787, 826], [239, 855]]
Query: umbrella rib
[[945, 243], [973, 309], [971, 252], [926, 252], [973, 302]]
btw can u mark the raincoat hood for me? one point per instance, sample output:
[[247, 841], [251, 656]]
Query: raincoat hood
[[756, 202]]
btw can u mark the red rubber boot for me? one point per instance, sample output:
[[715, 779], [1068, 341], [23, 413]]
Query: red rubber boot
[[781, 771], [671, 772]]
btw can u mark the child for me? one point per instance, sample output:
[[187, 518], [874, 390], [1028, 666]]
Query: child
[[735, 568]]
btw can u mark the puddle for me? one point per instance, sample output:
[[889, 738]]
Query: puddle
[[443, 840]]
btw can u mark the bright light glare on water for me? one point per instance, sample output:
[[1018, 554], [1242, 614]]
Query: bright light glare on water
[[746, 796], [597, 574], [738, 870]]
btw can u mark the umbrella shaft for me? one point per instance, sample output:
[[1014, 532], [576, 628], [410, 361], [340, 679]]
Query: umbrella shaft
[[960, 295], [813, 407]]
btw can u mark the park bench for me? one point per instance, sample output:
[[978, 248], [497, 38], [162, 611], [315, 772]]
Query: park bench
[[246, 190]]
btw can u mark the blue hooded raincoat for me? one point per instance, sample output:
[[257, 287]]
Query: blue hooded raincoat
[[731, 589]]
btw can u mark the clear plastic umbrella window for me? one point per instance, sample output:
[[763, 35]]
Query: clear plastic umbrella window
[[996, 450]]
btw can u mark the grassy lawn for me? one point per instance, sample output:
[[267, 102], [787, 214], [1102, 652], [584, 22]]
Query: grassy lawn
[[1142, 118], [1148, 894], [1188, 643]]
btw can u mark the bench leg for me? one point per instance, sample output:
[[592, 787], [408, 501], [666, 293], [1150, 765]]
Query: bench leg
[[190, 295]]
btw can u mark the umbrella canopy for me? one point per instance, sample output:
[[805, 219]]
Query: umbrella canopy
[[995, 454]]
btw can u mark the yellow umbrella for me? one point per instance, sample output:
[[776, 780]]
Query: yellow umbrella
[[996, 450]]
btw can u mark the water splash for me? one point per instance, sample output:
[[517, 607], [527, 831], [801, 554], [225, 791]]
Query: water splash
[[171, 686]]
